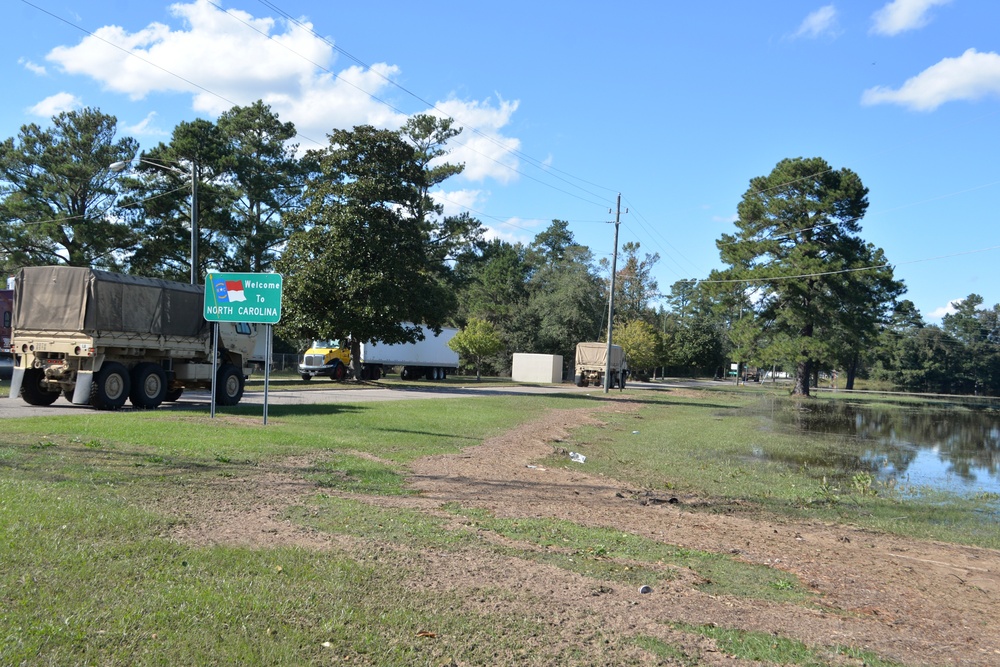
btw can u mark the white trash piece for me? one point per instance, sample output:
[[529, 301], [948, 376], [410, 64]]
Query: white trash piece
[[578, 457]]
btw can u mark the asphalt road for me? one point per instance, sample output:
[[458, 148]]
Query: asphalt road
[[202, 399]]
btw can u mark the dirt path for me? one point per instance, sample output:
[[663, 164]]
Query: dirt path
[[920, 603]]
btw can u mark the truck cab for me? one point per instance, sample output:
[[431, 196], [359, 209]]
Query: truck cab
[[325, 357]]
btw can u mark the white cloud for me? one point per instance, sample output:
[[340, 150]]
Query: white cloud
[[938, 313], [456, 202], [56, 104], [971, 76], [145, 127], [227, 58], [823, 21], [485, 152], [513, 230], [902, 15], [32, 67]]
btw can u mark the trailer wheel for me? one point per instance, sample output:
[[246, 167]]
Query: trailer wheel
[[149, 386], [578, 380], [173, 394], [229, 383], [32, 390], [111, 387]]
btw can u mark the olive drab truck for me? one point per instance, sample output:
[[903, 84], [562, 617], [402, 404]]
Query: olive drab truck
[[101, 338], [429, 358], [592, 364]]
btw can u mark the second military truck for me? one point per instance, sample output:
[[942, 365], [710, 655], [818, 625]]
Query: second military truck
[[101, 338], [592, 364]]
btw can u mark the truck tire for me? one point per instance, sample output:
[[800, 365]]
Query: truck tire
[[338, 372], [229, 385], [621, 381], [111, 387], [32, 391], [149, 386], [173, 394], [306, 377], [578, 380]]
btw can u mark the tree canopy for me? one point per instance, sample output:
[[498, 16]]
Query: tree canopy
[[58, 195], [796, 261]]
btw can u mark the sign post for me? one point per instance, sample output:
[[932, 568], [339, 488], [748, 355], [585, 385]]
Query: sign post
[[254, 298]]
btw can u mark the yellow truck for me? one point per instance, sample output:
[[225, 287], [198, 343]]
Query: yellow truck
[[429, 358]]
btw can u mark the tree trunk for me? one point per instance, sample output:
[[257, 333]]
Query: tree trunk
[[803, 374], [852, 371], [355, 360]]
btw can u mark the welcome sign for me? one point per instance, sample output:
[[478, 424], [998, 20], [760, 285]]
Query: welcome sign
[[243, 297]]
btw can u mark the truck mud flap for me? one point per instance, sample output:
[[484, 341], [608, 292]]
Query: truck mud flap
[[16, 379], [84, 382]]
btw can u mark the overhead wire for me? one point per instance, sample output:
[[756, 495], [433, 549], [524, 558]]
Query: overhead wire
[[538, 164]]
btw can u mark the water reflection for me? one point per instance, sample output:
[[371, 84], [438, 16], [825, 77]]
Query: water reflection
[[946, 448]]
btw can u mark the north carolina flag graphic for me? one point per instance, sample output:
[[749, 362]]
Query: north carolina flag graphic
[[229, 291]]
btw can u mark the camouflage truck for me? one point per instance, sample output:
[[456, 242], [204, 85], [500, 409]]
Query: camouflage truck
[[101, 338]]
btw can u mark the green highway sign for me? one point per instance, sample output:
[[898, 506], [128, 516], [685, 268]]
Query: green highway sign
[[243, 297]]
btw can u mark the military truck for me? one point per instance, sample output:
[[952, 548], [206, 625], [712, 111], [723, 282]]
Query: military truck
[[429, 358], [101, 338], [592, 364]]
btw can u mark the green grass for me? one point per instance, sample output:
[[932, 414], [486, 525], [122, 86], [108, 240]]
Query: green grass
[[613, 555], [775, 650], [90, 576], [708, 447]]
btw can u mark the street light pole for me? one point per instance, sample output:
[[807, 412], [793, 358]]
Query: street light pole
[[120, 166], [194, 223]]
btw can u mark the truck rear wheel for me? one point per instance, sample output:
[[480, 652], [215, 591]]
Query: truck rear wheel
[[149, 386], [111, 387], [229, 385], [32, 390], [173, 394]]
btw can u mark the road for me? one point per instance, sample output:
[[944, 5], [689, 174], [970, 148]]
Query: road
[[202, 399]]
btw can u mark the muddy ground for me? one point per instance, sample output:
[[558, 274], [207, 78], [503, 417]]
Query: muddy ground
[[915, 602]]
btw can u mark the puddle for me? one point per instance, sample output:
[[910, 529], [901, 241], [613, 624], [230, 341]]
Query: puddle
[[947, 448]]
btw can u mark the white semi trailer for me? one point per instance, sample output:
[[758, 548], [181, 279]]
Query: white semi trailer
[[429, 358], [101, 338]]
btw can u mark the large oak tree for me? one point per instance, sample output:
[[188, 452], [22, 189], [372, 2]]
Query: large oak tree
[[363, 270]]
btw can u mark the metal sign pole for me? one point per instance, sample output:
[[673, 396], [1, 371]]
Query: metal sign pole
[[267, 367], [215, 362]]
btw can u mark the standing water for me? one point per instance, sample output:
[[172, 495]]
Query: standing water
[[946, 448]]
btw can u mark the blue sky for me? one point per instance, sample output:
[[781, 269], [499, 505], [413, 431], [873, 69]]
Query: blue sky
[[674, 105]]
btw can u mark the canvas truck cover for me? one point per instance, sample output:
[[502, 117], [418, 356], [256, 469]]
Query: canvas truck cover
[[596, 354], [65, 298]]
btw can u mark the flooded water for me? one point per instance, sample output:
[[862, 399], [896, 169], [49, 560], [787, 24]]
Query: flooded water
[[954, 449]]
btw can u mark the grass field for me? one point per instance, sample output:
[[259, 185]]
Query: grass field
[[90, 575]]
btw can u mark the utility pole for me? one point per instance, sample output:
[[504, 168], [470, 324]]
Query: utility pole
[[611, 296]]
